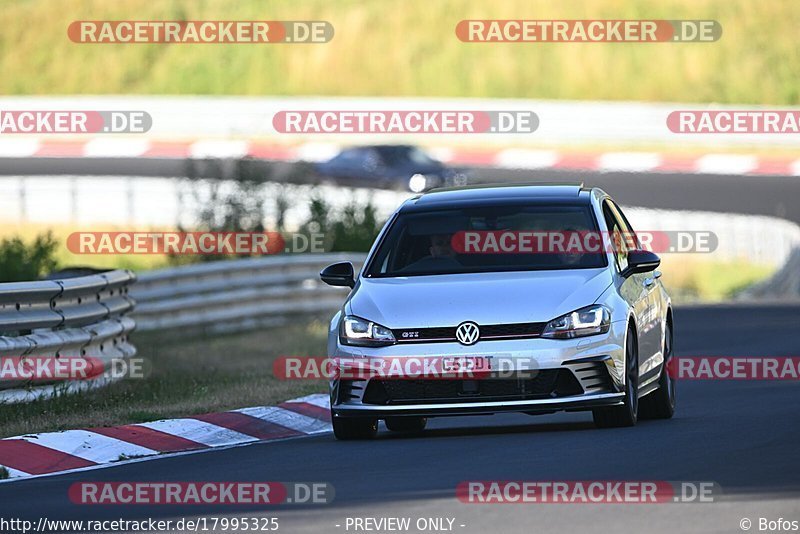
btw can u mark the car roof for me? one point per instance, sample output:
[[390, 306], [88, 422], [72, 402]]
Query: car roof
[[380, 148], [487, 195]]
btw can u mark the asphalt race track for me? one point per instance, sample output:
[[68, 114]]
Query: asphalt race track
[[743, 435]]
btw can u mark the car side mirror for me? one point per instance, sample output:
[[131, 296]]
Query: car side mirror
[[339, 274], [641, 261]]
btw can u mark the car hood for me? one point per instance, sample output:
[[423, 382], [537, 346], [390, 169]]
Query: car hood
[[485, 298]]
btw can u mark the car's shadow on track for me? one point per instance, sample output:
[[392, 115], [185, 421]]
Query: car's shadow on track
[[462, 431], [539, 427]]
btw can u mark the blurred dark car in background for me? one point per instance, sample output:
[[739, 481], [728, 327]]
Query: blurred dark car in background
[[390, 166]]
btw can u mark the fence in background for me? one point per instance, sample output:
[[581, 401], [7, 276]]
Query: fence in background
[[749, 238], [164, 203]]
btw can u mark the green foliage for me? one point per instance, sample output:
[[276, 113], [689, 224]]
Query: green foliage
[[350, 229], [355, 229], [20, 261], [235, 202]]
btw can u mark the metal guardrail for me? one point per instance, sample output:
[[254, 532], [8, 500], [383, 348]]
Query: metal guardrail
[[74, 317], [89, 317], [228, 296], [783, 285]]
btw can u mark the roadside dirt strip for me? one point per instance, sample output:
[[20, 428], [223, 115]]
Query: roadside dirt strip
[[55, 452]]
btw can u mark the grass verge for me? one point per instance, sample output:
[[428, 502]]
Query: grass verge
[[409, 48], [696, 279], [190, 375]]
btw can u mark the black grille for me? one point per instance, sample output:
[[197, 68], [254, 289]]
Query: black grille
[[548, 383], [512, 330], [349, 390], [489, 331], [594, 377]]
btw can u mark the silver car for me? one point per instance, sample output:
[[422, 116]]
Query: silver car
[[543, 328]]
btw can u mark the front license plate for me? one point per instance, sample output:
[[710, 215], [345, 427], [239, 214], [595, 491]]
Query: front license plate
[[466, 364]]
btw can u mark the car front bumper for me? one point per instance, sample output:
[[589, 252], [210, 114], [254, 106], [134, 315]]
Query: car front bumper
[[595, 362], [578, 402]]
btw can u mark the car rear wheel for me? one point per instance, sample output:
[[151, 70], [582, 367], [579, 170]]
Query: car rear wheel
[[349, 428], [660, 404], [625, 415], [406, 424]]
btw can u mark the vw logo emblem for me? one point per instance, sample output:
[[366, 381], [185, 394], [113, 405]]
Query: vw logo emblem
[[467, 333]]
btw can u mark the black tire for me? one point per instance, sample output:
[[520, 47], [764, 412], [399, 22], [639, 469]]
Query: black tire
[[350, 428], [408, 424], [627, 414], [660, 404]]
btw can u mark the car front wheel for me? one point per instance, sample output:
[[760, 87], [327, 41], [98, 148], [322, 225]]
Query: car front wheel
[[625, 415], [660, 404]]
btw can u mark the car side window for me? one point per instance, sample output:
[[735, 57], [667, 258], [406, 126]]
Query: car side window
[[350, 155], [616, 233], [372, 159], [632, 239]]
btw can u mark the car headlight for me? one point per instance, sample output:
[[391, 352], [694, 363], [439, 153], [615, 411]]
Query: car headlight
[[363, 333], [417, 183], [584, 322]]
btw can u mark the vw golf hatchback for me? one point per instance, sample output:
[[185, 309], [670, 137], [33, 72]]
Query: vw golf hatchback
[[532, 299]]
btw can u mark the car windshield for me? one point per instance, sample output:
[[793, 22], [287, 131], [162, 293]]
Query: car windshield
[[484, 239]]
